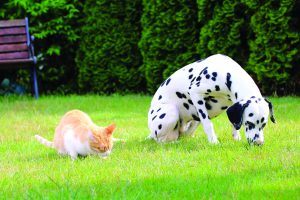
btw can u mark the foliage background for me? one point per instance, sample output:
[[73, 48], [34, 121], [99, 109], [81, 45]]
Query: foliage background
[[132, 46]]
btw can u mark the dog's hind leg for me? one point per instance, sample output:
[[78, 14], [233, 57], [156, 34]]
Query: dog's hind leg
[[189, 128], [164, 122]]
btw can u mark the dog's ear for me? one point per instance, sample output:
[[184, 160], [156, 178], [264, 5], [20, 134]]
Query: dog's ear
[[235, 114], [271, 111]]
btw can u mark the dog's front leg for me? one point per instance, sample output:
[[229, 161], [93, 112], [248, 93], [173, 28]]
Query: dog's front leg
[[236, 134], [208, 127]]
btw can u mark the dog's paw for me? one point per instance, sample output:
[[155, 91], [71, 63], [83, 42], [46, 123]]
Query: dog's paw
[[236, 136], [213, 140]]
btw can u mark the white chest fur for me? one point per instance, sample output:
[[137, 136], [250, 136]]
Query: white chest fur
[[74, 146]]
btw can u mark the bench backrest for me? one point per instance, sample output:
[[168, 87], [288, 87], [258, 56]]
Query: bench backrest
[[15, 41]]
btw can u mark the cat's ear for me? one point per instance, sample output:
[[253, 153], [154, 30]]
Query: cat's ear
[[110, 129]]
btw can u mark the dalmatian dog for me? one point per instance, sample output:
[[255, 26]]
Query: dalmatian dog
[[201, 91]]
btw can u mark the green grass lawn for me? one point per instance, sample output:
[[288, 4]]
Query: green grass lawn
[[141, 169]]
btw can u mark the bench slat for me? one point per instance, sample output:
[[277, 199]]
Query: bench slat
[[14, 55], [13, 39], [15, 61], [13, 31], [10, 23], [13, 47]]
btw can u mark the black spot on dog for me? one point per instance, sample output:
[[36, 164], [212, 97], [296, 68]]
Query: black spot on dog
[[191, 76], [183, 96], [252, 97], [256, 136], [208, 90], [179, 95], [168, 81], [263, 125], [250, 114], [186, 105], [193, 79], [251, 127], [158, 110], [162, 115], [198, 78], [217, 88], [203, 70], [207, 106], [257, 121], [213, 78], [224, 107], [196, 118], [159, 98], [200, 60], [152, 111], [262, 120], [202, 114], [214, 74], [162, 84], [176, 126], [207, 76], [154, 117], [156, 133], [190, 102], [159, 126], [236, 95], [228, 81], [214, 100], [190, 70], [200, 102]]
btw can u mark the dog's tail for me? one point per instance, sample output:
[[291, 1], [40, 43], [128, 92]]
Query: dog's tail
[[44, 141]]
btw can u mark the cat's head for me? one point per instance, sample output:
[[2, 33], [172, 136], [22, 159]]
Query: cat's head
[[101, 141]]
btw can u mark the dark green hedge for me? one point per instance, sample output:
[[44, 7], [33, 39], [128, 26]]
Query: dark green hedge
[[169, 38], [108, 59], [262, 36], [274, 46], [133, 45]]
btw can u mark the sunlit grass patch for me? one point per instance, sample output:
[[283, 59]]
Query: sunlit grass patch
[[190, 168]]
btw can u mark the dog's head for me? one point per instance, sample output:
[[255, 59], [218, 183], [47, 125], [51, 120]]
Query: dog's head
[[253, 114]]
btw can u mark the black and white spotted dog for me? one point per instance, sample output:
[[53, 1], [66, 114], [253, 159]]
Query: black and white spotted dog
[[201, 91]]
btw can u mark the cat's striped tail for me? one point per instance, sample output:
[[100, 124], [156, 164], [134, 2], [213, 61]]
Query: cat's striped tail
[[44, 141]]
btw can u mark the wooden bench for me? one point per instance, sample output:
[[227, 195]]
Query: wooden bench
[[16, 48]]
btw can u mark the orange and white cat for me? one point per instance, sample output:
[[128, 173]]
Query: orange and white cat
[[76, 134]]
